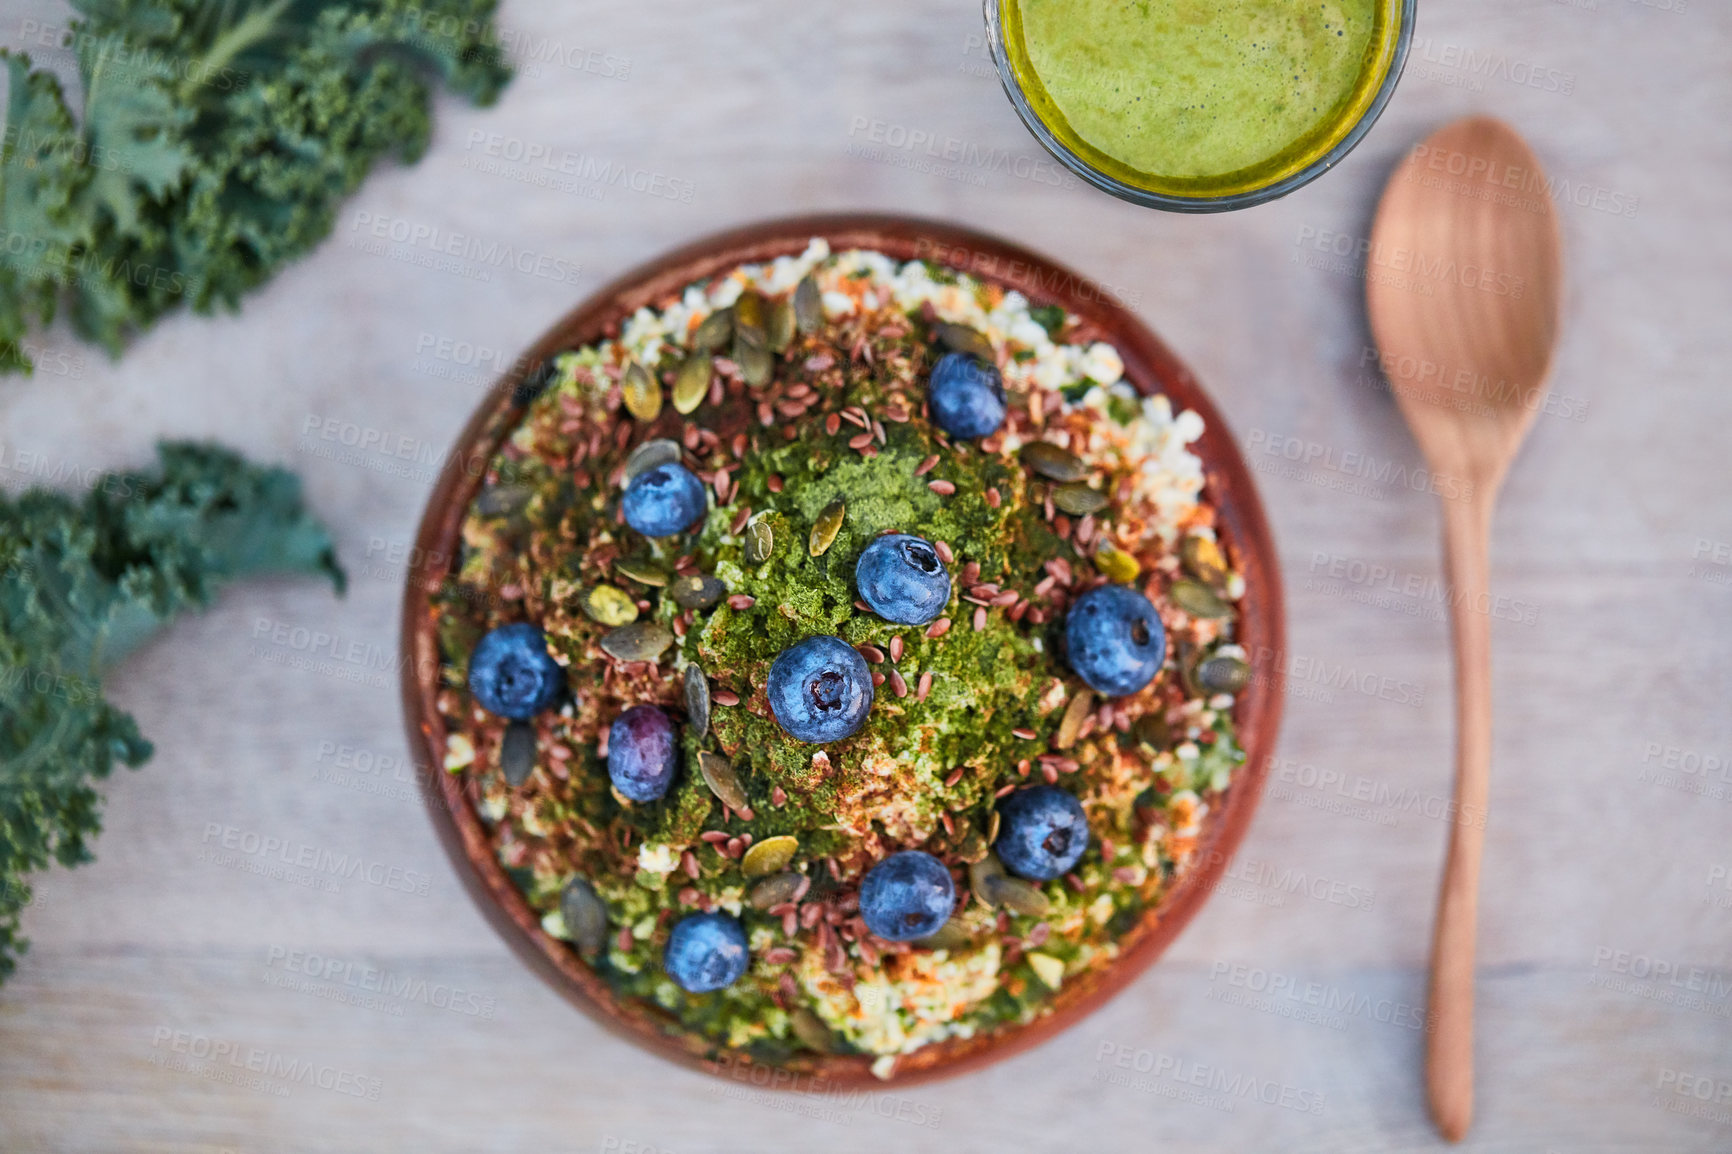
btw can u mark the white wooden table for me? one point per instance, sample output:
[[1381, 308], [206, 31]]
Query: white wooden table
[[1605, 982]]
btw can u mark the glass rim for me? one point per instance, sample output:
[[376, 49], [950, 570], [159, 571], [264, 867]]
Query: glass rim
[[1206, 203]]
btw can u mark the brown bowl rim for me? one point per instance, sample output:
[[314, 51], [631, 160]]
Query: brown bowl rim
[[1149, 365]]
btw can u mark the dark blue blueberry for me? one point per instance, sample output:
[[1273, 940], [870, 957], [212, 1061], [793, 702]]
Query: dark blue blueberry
[[1042, 832], [706, 952], [1115, 640], [641, 754], [665, 500], [820, 689], [966, 396], [903, 580], [906, 896], [511, 673]]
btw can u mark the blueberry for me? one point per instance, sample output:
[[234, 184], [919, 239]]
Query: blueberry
[[665, 500], [706, 952], [641, 757], [903, 580], [1042, 832], [906, 896], [1115, 639], [820, 689], [511, 673], [966, 396]]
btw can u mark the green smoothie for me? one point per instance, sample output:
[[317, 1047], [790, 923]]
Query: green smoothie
[[1199, 97]]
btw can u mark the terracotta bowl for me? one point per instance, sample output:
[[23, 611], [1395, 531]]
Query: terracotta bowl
[[1149, 365]]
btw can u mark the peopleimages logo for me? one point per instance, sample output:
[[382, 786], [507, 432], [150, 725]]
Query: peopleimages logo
[[253, 1066], [299, 855], [337, 979], [1231, 1087]]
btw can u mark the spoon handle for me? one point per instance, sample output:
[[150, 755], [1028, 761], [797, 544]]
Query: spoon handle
[[1449, 1046]]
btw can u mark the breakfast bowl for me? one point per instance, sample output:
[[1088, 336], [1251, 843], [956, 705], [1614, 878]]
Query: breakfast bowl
[[849, 646]]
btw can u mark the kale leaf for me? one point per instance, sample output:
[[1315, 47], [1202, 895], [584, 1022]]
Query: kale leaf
[[82, 583], [217, 140]]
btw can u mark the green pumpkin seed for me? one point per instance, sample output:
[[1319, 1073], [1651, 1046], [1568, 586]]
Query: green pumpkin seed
[[1199, 600], [992, 827], [585, 916], [812, 1031], [1151, 730], [1116, 565], [606, 605], [756, 364], [972, 846], [982, 873], [1077, 712], [760, 542], [751, 316], [1079, 500], [1222, 674], [828, 524], [769, 856], [952, 935], [696, 591], [1017, 896], [808, 305], [1052, 462], [517, 753], [658, 451], [642, 641], [692, 382], [642, 392], [774, 890], [697, 701], [642, 572], [962, 339], [781, 330], [713, 331], [719, 775], [501, 500], [1204, 560]]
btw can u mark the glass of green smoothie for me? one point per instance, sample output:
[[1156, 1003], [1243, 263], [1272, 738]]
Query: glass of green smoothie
[[1199, 105]]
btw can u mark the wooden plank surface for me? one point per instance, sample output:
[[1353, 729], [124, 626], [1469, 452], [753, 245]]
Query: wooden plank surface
[[1603, 866]]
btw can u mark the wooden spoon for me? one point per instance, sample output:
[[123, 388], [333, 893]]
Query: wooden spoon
[[1463, 290]]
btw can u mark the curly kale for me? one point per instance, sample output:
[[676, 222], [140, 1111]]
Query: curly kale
[[216, 142], [82, 583]]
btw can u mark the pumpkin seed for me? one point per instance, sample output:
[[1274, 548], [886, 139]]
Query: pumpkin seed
[[1204, 560], [1117, 565], [713, 331], [1077, 712], [1223, 674], [607, 605], [692, 382], [719, 775], [952, 935], [769, 856], [499, 500], [972, 846], [781, 330], [828, 524], [1199, 600], [642, 572], [642, 641], [1151, 730], [812, 1031], [982, 873], [760, 542], [756, 363], [962, 339], [1017, 896], [642, 392], [992, 827], [517, 753], [1079, 500], [1052, 462], [808, 305], [585, 916], [751, 315], [696, 591], [697, 700], [658, 451], [774, 890]]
